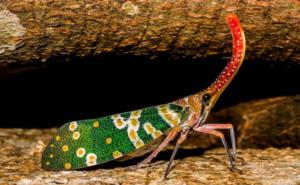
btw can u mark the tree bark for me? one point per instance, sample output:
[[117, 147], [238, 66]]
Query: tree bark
[[21, 151], [268, 122], [37, 30]]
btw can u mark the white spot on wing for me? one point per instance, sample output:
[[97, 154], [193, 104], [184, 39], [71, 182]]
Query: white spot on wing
[[91, 159]]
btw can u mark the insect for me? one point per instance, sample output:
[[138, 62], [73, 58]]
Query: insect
[[83, 143]]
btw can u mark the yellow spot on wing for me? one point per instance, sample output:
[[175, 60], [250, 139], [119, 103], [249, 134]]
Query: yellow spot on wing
[[139, 143], [132, 134], [51, 156], [148, 128], [119, 122], [117, 154], [65, 148], [136, 113], [67, 166], [91, 159], [47, 163], [115, 116], [108, 140], [171, 117], [175, 122], [91, 163], [134, 122], [76, 135], [156, 134], [57, 138], [80, 152], [73, 125], [168, 117], [164, 110], [96, 124], [52, 145], [152, 130]]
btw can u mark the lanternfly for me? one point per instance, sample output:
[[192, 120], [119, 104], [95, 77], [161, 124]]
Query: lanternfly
[[79, 144]]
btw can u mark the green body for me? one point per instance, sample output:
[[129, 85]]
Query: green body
[[79, 144]]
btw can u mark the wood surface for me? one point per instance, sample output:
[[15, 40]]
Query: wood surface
[[36, 30]]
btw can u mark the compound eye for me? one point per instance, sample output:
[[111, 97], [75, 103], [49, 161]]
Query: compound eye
[[205, 98]]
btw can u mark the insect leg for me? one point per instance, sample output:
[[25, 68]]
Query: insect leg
[[229, 126], [224, 126], [181, 139], [172, 134], [221, 136]]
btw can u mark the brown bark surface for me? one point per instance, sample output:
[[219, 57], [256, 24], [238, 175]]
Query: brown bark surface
[[21, 152], [36, 30], [270, 122]]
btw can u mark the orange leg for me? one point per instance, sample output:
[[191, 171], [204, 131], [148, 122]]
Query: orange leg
[[172, 134], [219, 134], [224, 126]]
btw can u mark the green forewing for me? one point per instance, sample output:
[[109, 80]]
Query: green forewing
[[83, 143]]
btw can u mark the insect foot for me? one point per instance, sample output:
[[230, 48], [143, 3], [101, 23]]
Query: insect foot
[[235, 169], [239, 161]]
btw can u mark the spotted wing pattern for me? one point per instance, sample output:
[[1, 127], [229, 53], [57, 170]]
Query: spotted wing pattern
[[79, 144]]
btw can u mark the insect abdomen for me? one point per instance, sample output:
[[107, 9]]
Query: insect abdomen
[[85, 143]]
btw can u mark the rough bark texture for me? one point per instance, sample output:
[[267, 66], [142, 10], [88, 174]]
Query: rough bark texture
[[36, 30], [259, 124], [21, 151], [263, 123], [270, 122]]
